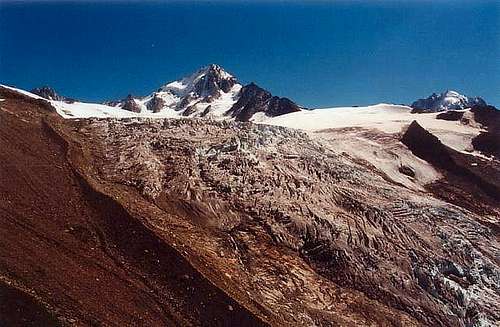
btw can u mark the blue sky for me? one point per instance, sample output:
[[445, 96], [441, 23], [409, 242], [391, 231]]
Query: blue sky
[[319, 54]]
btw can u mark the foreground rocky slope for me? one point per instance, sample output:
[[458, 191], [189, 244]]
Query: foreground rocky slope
[[236, 223]]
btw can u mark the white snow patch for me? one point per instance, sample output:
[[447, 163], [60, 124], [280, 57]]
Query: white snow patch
[[87, 110], [168, 98], [259, 117]]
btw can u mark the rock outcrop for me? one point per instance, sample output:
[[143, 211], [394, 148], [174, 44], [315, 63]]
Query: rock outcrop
[[452, 115], [130, 104], [254, 99], [213, 79], [488, 142], [156, 104], [472, 182]]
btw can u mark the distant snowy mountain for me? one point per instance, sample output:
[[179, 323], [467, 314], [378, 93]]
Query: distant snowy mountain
[[449, 100], [209, 92]]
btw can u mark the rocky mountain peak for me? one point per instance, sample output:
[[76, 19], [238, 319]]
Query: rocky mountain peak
[[216, 70], [48, 93], [447, 100], [210, 91], [213, 80], [208, 81]]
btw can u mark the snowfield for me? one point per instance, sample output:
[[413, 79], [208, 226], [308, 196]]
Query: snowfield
[[95, 110], [387, 118], [368, 133], [88, 110]]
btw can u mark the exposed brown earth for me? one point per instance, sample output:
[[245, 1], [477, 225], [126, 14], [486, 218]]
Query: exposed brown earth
[[140, 222]]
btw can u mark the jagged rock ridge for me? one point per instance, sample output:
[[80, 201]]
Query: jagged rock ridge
[[130, 104], [50, 94]]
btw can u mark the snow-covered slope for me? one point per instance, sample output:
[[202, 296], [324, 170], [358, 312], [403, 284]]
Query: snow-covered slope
[[388, 118], [373, 134], [88, 110], [80, 109], [385, 118], [448, 100], [210, 92]]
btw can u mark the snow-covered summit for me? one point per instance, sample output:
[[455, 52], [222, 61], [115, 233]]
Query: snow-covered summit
[[210, 91], [207, 81], [448, 100]]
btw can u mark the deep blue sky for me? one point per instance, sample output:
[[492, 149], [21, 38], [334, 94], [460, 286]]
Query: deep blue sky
[[318, 54]]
